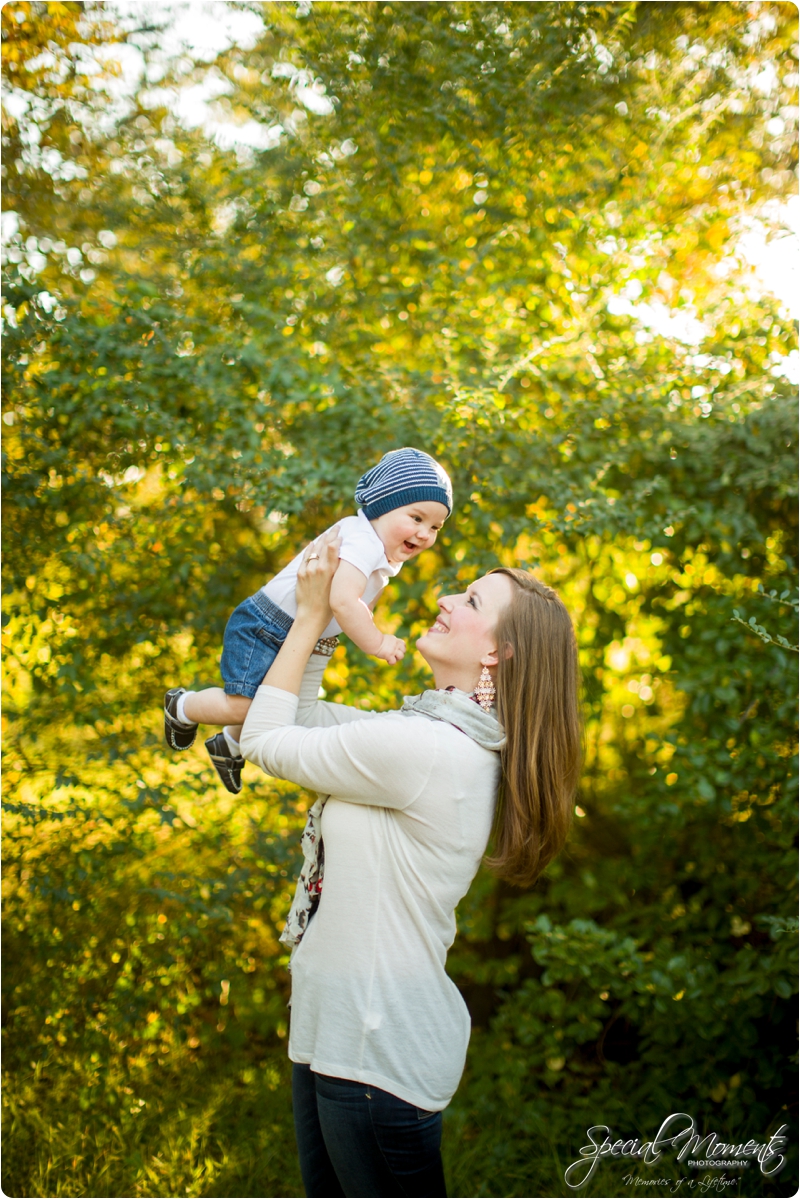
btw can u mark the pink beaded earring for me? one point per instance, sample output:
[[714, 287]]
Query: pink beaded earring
[[485, 691]]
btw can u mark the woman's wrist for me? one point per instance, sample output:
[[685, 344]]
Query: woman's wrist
[[311, 620], [286, 672]]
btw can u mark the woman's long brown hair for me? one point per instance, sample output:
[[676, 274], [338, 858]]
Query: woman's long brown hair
[[537, 703]]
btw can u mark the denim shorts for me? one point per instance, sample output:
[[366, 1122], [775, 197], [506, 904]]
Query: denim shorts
[[255, 632]]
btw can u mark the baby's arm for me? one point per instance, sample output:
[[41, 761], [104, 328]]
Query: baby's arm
[[355, 617]]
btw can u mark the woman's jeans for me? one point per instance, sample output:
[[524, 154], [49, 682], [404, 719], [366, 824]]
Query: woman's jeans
[[356, 1140]]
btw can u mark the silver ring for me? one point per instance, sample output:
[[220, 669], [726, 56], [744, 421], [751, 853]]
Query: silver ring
[[311, 557]]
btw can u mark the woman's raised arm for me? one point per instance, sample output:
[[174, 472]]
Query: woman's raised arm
[[312, 712], [314, 575], [296, 669]]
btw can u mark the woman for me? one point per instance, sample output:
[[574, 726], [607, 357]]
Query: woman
[[379, 1032]]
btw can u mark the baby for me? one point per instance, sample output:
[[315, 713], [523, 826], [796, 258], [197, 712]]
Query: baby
[[404, 500]]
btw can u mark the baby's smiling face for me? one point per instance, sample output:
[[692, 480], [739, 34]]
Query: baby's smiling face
[[406, 531]]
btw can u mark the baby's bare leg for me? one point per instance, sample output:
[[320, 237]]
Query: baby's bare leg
[[213, 706]]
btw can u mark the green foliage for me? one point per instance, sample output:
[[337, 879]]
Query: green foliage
[[141, 1017], [759, 630], [203, 349]]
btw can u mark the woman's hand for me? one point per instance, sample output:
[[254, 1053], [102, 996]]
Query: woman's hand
[[314, 576]]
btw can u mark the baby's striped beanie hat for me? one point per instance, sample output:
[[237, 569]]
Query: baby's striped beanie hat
[[406, 476]]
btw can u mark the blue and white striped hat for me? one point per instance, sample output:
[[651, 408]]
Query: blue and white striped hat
[[406, 476]]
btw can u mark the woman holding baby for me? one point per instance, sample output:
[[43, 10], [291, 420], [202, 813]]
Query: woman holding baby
[[379, 1033]]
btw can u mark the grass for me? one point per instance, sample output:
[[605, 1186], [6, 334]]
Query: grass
[[224, 1128], [205, 1132]]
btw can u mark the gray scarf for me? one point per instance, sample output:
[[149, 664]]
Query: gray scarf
[[453, 707], [459, 709]]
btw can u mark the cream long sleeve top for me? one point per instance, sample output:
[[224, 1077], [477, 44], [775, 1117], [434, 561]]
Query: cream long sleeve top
[[410, 808]]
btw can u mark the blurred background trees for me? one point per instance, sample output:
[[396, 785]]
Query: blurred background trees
[[509, 234]]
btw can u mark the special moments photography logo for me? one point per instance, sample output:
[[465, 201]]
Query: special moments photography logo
[[679, 1132]]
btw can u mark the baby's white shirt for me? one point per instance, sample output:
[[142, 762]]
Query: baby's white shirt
[[361, 547]]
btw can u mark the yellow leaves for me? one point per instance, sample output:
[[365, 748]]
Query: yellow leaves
[[687, 242], [538, 509], [639, 150], [551, 215], [396, 345], [148, 487], [717, 234], [461, 180]]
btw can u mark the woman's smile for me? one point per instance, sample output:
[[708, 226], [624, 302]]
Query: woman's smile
[[461, 640]]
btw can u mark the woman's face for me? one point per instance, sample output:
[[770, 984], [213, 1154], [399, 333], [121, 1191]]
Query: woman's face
[[462, 638]]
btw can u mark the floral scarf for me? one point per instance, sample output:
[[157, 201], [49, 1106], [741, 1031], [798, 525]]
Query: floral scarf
[[452, 706]]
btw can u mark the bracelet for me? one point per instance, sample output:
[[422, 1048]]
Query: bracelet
[[325, 646]]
